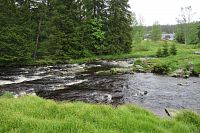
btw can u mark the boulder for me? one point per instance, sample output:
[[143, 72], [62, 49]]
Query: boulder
[[113, 71], [186, 76], [139, 68], [122, 70], [124, 64], [181, 73], [177, 73], [121, 64]]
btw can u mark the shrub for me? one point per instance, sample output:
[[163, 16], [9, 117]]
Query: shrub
[[165, 50], [159, 53], [161, 69], [173, 49], [138, 62]]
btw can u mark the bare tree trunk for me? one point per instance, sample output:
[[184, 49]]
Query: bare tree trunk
[[37, 39]]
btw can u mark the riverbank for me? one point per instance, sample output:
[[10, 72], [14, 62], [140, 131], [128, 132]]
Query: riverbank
[[34, 114], [186, 63]]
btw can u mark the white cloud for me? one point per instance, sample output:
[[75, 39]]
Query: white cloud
[[164, 11]]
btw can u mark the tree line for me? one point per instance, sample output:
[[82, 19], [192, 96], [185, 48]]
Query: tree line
[[187, 30], [185, 33], [63, 29], [188, 33]]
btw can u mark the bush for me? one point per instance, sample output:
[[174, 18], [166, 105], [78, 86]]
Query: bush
[[173, 49], [165, 50], [161, 69], [159, 53], [138, 62]]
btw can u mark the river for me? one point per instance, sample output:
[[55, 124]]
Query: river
[[74, 82]]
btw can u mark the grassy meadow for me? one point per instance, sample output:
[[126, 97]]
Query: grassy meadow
[[31, 114]]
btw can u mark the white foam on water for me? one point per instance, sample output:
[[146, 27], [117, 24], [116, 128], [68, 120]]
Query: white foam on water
[[23, 93], [62, 86], [76, 82], [71, 77], [20, 79], [58, 87], [108, 97], [40, 72]]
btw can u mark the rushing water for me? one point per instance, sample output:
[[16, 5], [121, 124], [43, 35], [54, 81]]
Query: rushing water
[[80, 82]]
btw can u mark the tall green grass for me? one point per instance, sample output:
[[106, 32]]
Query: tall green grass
[[35, 115]]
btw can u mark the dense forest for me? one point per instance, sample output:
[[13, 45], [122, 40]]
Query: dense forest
[[60, 30]]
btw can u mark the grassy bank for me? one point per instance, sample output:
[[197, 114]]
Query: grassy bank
[[145, 49], [184, 59], [33, 114]]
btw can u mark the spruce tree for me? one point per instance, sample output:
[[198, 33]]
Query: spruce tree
[[16, 32], [159, 53], [59, 29], [165, 50], [173, 49], [119, 38], [199, 31]]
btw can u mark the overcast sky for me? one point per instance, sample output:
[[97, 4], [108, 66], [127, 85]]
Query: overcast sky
[[164, 11]]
